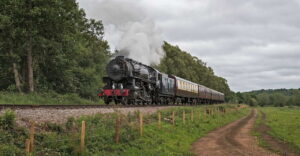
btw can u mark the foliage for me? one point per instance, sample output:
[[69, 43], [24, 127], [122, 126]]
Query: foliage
[[184, 65], [11, 137], [52, 139], [68, 50], [276, 97], [9, 150], [7, 120], [68, 53]]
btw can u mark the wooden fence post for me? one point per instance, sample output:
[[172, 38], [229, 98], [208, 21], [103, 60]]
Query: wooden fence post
[[207, 111], [192, 116], [141, 124], [183, 117], [27, 147], [117, 129], [173, 118], [82, 136], [159, 119], [31, 136]]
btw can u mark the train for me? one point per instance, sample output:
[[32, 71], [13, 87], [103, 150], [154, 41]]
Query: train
[[132, 82]]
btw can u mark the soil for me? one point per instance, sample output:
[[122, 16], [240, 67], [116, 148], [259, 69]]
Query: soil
[[273, 143], [233, 139]]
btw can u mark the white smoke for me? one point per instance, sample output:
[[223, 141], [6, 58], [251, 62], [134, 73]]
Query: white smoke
[[129, 30], [142, 41]]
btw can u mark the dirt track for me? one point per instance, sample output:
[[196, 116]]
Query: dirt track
[[233, 139]]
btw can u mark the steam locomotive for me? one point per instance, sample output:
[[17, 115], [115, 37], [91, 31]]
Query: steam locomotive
[[131, 82]]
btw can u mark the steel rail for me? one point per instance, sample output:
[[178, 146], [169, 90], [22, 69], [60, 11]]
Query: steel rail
[[72, 106]]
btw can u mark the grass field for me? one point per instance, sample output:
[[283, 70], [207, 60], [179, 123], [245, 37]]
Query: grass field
[[44, 98], [170, 139], [284, 124]]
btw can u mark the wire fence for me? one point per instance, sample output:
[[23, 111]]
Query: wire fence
[[123, 128]]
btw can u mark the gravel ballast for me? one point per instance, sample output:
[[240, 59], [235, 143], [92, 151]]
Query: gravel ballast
[[59, 116]]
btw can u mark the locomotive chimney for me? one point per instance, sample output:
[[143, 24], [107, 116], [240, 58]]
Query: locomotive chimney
[[120, 57]]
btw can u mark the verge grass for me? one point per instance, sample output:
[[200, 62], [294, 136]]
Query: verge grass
[[284, 124], [52, 139], [257, 123], [44, 98]]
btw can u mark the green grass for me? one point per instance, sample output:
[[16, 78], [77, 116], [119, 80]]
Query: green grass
[[284, 123], [257, 123], [170, 139], [44, 98]]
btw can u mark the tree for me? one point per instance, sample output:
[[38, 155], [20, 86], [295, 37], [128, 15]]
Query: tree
[[279, 100], [9, 35], [263, 99], [275, 97], [182, 64], [55, 47], [252, 102]]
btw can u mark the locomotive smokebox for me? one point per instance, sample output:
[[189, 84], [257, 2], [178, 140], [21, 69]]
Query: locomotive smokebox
[[117, 68]]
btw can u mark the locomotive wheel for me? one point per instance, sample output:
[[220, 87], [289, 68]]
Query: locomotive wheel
[[124, 101], [150, 102], [161, 101], [117, 101], [106, 101], [129, 102]]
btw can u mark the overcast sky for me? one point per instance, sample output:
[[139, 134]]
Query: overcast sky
[[254, 44]]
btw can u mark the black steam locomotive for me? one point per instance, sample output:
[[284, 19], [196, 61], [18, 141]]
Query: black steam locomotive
[[131, 82]]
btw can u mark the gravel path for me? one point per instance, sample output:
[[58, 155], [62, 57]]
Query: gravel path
[[55, 115]]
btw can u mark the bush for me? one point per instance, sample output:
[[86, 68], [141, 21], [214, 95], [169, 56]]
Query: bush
[[9, 150], [7, 120]]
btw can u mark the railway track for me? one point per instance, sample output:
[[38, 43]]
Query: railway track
[[26, 106]]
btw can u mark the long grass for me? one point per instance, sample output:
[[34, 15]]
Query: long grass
[[284, 123], [44, 98]]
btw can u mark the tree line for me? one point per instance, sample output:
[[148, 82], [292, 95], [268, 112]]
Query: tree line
[[50, 46], [270, 97], [184, 65]]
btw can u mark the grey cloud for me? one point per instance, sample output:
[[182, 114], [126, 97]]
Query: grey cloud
[[253, 44], [113, 11]]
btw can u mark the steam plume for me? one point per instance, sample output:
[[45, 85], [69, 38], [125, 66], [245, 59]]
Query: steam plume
[[130, 30], [142, 41]]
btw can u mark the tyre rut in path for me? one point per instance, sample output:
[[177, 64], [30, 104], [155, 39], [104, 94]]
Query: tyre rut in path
[[233, 139], [274, 144]]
